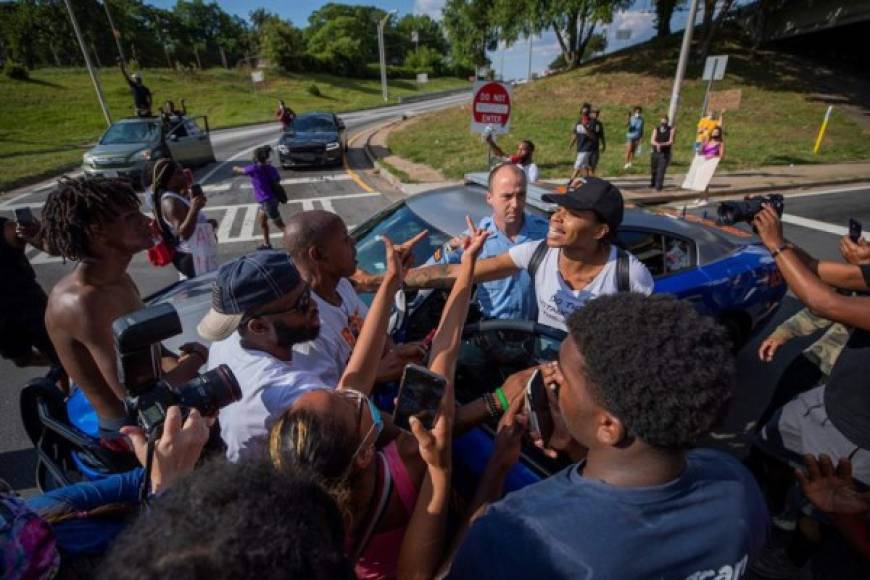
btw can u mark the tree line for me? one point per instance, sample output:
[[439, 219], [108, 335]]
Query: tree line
[[339, 38]]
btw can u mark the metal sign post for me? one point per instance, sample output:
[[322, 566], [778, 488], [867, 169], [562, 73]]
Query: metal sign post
[[714, 70]]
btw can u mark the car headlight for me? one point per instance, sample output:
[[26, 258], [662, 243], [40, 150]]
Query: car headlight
[[333, 146], [282, 148], [141, 155], [88, 159]]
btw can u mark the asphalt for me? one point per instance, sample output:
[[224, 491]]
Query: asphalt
[[822, 217]]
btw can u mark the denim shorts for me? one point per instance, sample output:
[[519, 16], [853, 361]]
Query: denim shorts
[[270, 208]]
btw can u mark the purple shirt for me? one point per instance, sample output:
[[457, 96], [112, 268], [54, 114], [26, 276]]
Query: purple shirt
[[262, 178]]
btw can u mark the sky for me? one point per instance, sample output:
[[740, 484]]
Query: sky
[[628, 27]]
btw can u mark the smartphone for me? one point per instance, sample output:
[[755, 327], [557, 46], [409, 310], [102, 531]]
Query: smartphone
[[188, 175], [854, 230], [24, 216], [420, 394], [538, 404], [196, 190]]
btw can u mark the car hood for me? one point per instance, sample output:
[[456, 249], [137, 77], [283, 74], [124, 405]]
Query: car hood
[[303, 138], [118, 150]]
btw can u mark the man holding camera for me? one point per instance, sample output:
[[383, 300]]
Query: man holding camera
[[96, 222], [833, 419], [574, 264]]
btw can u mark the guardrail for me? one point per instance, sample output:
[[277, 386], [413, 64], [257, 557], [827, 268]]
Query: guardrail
[[435, 95]]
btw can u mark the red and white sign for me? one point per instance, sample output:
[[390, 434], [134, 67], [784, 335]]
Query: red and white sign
[[491, 107]]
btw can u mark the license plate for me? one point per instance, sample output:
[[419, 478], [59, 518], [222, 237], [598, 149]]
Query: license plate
[[110, 174]]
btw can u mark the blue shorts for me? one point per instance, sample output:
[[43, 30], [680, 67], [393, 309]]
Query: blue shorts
[[270, 208]]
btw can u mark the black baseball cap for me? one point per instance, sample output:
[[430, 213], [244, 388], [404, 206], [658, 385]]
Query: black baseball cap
[[243, 285], [594, 194]]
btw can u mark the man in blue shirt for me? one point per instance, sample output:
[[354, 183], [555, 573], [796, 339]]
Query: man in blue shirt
[[629, 405], [511, 298]]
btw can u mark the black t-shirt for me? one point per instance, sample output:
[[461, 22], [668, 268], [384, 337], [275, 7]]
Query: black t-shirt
[[141, 95], [19, 285], [847, 395], [598, 130], [663, 135], [588, 140]]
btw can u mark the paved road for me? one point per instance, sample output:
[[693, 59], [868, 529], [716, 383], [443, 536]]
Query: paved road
[[350, 190]]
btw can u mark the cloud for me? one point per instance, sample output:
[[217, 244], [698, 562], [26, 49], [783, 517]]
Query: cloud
[[429, 7]]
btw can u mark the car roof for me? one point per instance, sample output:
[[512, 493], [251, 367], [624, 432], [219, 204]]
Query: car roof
[[446, 208], [315, 114], [140, 120]]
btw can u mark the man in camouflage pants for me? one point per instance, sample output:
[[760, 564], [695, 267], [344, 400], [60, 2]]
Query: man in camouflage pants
[[812, 366]]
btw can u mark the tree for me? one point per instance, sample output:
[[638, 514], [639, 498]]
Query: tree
[[664, 12], [283, 44], [343, 38], [470, 31], [711, 25], [573, 21]]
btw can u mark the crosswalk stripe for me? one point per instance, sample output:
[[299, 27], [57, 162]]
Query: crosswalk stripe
[[227, 223], [248, 222], [301, 180]]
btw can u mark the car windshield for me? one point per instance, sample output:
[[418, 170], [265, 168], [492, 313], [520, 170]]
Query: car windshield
[[131, 133], [313, 125]]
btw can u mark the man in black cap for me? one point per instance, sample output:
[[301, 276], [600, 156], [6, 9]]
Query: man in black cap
[[574, 264], [261, 307]]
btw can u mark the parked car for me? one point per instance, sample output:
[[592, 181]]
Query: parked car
[[313, 139], [129, 144]]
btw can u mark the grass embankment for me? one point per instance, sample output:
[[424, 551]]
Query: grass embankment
[[776, 123], [47, 122]]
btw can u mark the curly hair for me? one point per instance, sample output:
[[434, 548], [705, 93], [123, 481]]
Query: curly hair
[[76, 205], [663, 369], [234, 521]]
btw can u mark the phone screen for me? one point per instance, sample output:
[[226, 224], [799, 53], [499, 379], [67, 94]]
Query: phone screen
[[24, 216], [420, 395], [539, 406], [196, 190], [854, 230]]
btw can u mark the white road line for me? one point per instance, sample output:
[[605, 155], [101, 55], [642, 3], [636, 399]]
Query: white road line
[[248, 221], [815, 225], [307, 204], [233, 157], [327, 205], [223, 232], [305, 201], [9, 203], [301, 180]]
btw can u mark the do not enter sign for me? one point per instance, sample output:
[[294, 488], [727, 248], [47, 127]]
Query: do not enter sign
[[491, 107]]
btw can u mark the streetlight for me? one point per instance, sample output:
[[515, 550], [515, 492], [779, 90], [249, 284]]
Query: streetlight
[[382, 53], [94, 79], [681, 64]]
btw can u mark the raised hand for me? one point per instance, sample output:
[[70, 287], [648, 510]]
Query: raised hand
[[832, 491], [473, 243], [394, 260], [769, 228], [856, 254], [406, 249]]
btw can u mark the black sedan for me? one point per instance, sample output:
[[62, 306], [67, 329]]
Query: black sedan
[[313, 139]]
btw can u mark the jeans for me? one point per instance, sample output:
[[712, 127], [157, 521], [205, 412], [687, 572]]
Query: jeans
[[89, 535], [659, 165]]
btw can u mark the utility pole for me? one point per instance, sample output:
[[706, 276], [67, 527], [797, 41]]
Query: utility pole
[[529, 74], [94, 79], [383, 53], [116, 34], [681, 64]]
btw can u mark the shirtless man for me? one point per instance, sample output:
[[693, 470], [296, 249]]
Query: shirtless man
[[97, 223]]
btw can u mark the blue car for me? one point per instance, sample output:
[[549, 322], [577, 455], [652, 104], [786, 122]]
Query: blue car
[[723, 271]]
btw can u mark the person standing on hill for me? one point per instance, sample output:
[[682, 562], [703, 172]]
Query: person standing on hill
[[633, 135], [523, 156], [583, 136], [599, 143], [662, 140], [141, 93]]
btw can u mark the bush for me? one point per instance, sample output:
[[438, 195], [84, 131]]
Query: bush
[[15, 70], [313, 90]]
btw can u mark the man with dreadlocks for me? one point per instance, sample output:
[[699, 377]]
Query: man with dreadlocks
[[96, 222]]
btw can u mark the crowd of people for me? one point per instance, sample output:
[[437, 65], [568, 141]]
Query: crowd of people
[[305, 475]]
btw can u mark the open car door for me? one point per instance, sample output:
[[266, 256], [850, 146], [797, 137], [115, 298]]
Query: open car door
[[189, 143]]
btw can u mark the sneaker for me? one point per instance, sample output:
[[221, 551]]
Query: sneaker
[[775, 564], [264, 247], [627, 165]]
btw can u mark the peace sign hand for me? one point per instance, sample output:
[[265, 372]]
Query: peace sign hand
[[473, 243]]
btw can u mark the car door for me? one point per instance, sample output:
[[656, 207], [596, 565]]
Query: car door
[[182, 145], [197, 128]]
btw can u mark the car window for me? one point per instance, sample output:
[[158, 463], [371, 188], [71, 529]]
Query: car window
[[192, 128], [402, 224], [661, 253], [313, 125], [122, 133]]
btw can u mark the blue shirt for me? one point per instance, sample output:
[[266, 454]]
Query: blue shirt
[[708, 523], [635, 128], [510, 298]]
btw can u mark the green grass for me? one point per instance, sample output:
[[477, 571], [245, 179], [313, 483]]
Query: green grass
[[776, 124], [46, 123]]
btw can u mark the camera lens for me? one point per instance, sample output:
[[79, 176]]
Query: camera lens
[[211, 391]]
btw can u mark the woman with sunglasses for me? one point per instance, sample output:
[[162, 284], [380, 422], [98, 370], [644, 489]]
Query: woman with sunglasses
[[374, 469]]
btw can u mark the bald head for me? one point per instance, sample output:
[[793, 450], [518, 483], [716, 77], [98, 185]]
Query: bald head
[[308, 229], [506, 172]]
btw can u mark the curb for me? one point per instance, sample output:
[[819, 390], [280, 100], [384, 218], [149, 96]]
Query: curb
[[380, 167]]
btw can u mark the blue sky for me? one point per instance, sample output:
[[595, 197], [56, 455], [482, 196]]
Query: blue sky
[[637, 23]]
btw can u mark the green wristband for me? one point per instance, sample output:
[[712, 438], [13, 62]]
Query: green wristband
[[502, 400]]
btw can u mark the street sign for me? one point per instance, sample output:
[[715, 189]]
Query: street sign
[[415, 36], [257, 76], [714, 67], [491, 107], [422, 78]]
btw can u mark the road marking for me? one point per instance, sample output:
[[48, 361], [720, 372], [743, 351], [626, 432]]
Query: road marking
[[350, 171], [815, 225], [302, 180], [226, 224], [232, 158]]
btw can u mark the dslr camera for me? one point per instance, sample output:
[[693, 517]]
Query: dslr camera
[[731, 212], [137, 343]]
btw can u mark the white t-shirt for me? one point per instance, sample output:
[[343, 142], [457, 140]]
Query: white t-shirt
[[557, 300], [531, 171], [327, 355], [269, 386]]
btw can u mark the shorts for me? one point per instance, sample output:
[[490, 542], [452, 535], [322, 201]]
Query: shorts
[[593, 159], [270, 208], [584, 160], [802, 426]]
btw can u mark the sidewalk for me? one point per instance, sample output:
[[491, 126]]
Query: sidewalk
[[634, 187]]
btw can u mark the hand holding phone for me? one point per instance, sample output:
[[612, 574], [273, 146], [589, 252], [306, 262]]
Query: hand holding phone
[[420, 394], [24, 216], [854, 230], [538, 404], [196, 190]]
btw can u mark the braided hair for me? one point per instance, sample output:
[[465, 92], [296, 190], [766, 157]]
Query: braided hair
[[162, 172], [76, 205]]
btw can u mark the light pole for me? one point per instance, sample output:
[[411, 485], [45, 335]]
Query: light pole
[[529, 74], [681, 64], [116, 34], [94, 79], [383, 53]]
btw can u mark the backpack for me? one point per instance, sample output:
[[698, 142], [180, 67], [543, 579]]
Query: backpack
[[623, 277]]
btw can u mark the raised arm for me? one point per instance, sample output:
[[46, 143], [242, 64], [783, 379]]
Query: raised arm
[[362, 367], [442, 276], [493, 146]]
